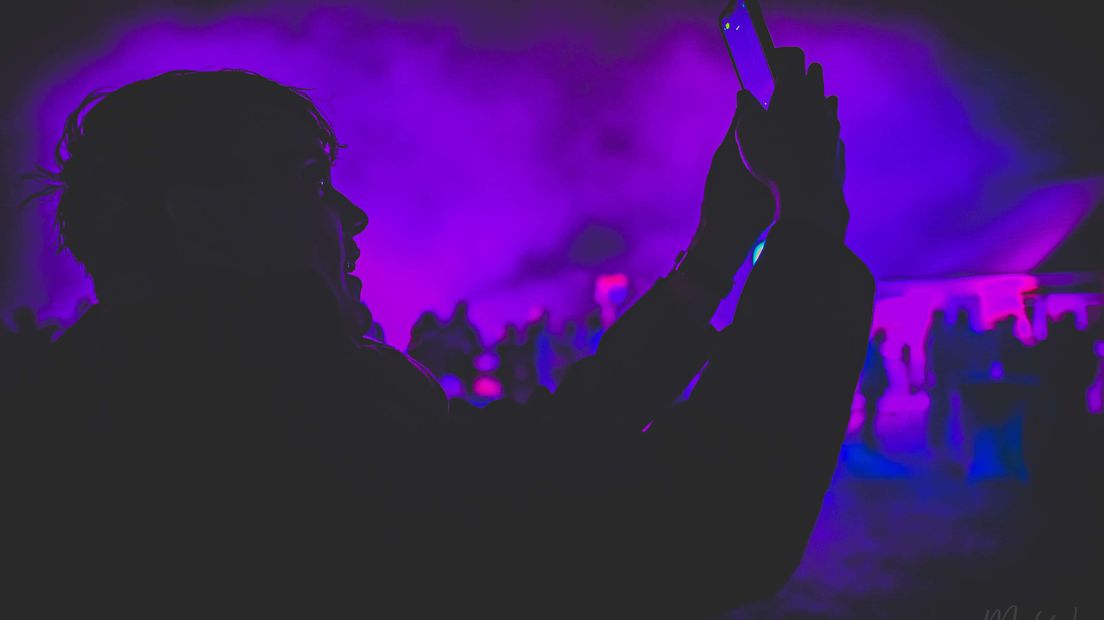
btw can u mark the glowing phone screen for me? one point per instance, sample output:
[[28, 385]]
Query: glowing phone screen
[[752, 68]]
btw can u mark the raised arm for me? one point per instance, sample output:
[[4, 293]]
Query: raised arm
[[651, 353], [713, 505], [755, 451]]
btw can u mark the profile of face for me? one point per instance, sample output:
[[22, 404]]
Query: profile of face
[[280, 216], [202, 175]]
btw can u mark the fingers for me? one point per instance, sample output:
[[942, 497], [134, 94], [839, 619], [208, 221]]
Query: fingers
[[788, 67], [815, 81], [749, 112], [841, 163], [746, 101], [751, 125], [833, 124]]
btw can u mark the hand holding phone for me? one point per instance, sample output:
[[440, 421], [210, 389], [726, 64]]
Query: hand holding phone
[[737, 207], [793, 146]]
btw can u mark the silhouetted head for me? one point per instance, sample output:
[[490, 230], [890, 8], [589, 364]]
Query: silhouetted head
[[217, 171], [938, 322], [538, 326], [962, 318], [427, 322], [880, 337], [460, 311]]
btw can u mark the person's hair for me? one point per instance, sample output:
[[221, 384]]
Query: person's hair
[[121, 150]]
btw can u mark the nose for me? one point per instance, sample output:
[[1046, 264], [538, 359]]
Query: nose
[[353, 219]]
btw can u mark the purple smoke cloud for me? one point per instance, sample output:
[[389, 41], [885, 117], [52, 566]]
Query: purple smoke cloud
[[511, 165]]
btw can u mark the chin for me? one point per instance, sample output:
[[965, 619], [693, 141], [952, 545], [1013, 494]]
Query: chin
[[353, 286]]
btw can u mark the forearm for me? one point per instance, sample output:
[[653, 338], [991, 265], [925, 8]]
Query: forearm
[[762, 434], [645, 360]]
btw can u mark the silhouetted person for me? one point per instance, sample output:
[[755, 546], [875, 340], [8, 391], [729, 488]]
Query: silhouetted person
[[567, 347], [907, 363], [942, 370], [539, 346], [461, 344], [200, 447], [1057, 435], [1062, 449], [1069, 365], [972, 356], [516, 370], [426, 343], [594, 331], [998, 398], [873, 384]]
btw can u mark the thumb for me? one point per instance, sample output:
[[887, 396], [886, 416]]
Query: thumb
[[747, 105], [749, 114], [751, 125]]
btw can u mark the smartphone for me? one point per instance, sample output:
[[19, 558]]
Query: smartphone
[[745, 34]]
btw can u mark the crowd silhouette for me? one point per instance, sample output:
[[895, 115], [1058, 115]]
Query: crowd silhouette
[[1048, 378], [512, 367], [990, 377]]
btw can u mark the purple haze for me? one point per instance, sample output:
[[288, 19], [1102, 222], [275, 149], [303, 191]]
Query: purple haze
[[487, 156]]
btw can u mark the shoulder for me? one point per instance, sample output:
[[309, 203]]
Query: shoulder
[[404, 377]]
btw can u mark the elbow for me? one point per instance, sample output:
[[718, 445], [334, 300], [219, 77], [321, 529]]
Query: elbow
[[770, 553], [733, 589], [765, 581], [746, 573]]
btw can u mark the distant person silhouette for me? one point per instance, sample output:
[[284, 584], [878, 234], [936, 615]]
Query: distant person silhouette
[[516, 370], [1069, 364], [539, 346], [907, 364], [873, 383], [972, 357], [1066, 466], [594, 330], [201, 445], [462, 344], [426, 343], [567, 346], [942, 371]]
